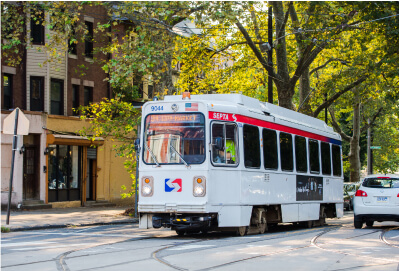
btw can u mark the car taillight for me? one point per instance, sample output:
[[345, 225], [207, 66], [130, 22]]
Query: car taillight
[[360, 193], [397, 195]]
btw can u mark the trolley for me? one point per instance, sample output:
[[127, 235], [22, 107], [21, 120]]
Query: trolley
[[230, 162]]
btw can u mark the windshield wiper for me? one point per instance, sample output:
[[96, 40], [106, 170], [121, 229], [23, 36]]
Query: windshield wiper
[[173, 148], [152, 154]]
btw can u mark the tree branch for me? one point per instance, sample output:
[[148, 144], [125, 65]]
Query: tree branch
[[338, 94], [343, 62], [337, 128], [285, 21], [365, 127], [257, 53]]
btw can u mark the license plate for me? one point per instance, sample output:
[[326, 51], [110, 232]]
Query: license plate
[[382, 199]]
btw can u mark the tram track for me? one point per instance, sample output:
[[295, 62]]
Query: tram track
[[381, 237], [313, 243], [267, 237]]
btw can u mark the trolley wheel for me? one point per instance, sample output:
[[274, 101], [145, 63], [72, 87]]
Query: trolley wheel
[[262, 226], [369, 223], [242, 231], [306, 224], [180, 233]]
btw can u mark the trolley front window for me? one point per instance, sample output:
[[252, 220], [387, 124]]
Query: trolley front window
[[174, 139]]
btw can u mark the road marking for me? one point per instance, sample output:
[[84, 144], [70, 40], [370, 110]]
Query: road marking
[[51, 247], [20, 244], [186, 247], [86, 234]]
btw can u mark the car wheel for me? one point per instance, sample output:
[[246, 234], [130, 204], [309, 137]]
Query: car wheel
[[369, 223], [358, 223], [180, 232]]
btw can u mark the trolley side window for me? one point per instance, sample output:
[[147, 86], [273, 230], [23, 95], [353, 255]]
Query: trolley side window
[[270, 155], [301, 159], [172, 138], [251, 146], [286, 155], [224, 144], [314, 156], [325, 158], [336, 160]]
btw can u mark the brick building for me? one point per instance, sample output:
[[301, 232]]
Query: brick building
[[58, 168]]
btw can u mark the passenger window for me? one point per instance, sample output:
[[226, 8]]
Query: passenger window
[[301, 159], [286, 152], [224, 144], [251, 146], [270, 155], [325, 158], [336, 160], [314, 156]]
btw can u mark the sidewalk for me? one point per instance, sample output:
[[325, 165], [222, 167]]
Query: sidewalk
[[61, 218]]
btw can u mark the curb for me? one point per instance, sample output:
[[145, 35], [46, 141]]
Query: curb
[[58, 226]]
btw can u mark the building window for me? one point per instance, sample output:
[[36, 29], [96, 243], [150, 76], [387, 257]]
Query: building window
[[57, 97], [72, 43], [301, 158], [75, 100], [37, 29], [88, 96], [36, 93], [270, 156], [64, 173], [286, 152], [150, 91], [7, 91], [251, 146], [89, 40]]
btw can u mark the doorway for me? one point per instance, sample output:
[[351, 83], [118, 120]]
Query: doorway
[[31, 172], [91, 174]]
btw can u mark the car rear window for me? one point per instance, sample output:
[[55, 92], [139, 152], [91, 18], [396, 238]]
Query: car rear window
[[384, 182]]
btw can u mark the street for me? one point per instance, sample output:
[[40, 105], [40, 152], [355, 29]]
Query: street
[[336, 246]]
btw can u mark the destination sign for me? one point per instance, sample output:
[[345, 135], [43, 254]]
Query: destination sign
[[175, 118]]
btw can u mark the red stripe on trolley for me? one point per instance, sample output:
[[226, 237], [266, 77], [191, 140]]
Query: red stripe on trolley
[[269, 125]]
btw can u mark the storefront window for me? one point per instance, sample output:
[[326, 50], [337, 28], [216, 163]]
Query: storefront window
[[63, 172]]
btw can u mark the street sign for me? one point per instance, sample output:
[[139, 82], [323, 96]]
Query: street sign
[[15, 124], [9, 124], [375, 147]]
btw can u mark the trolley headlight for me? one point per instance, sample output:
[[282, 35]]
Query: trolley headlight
[[147, 186], [147, 190], [199, 186]]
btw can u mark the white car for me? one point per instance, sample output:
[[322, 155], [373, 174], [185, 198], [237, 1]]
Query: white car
[[377, 199]]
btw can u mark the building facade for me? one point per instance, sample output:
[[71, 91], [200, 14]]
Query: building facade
[[54, 166]]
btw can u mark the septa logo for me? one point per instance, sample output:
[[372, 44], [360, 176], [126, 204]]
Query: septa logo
[[173, 185]]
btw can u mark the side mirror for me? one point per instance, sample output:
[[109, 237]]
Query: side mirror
[[137, 144], [218, 143]]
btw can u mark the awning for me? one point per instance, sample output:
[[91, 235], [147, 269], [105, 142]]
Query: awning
[[73, 140]]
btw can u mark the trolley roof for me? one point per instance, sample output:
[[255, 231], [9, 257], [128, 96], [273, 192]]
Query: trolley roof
[[252, 105]]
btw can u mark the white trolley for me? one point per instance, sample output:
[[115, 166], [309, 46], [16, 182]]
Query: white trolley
[[231, 162]]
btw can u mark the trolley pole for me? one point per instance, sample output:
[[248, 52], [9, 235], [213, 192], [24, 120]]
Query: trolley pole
[[270, 54]]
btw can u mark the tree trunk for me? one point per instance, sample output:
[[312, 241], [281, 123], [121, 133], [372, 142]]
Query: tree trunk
[[304, 90], [354, 153]]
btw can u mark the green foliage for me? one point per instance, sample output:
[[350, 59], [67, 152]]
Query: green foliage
[[5, 229]]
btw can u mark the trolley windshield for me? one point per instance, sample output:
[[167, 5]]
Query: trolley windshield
[[174, 139]]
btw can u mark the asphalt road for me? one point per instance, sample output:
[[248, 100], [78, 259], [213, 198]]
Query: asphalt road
[[337, 246]]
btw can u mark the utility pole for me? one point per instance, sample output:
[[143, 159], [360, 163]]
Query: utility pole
[[270, 54], [369, 152]]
